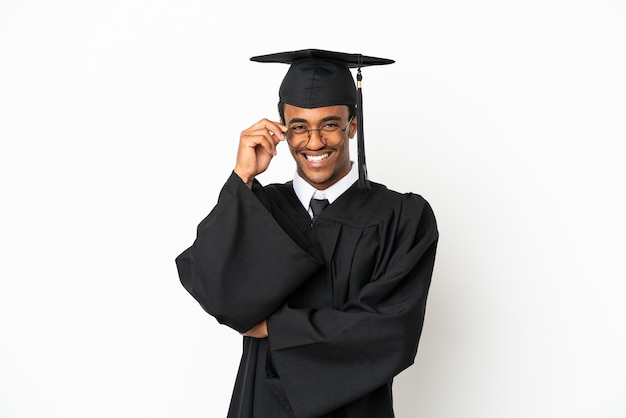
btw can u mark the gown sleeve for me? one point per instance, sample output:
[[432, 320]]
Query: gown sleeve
[[327, 358], [242, 266]]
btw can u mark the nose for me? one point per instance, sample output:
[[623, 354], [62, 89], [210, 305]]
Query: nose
[[318, 142]]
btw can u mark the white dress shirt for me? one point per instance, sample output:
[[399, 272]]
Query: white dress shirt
[[306, 192]]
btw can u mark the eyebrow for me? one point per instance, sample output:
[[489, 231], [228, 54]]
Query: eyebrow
[[325, 119]]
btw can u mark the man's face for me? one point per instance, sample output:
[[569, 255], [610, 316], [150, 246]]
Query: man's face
[[319, 164]]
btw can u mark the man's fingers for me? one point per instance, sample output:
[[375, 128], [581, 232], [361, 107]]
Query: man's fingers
[[261, 137], [257, 146], [258, 331], [276, 129]]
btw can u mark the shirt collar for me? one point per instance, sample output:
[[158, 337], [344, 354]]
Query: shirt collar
[[306, 192]]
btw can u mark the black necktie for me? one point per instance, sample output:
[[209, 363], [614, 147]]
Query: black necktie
[[317, 206]]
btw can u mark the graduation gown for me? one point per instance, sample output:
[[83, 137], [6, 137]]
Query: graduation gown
[[344, 297]]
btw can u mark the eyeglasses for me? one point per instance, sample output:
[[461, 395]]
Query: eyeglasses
[[331, 134]]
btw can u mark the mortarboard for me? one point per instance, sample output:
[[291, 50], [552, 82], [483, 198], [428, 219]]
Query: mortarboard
[[318, 78]]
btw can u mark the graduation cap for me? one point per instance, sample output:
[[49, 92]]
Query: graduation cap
[[318, 78]]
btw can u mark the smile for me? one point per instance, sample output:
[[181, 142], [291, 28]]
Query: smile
[[317, 158]]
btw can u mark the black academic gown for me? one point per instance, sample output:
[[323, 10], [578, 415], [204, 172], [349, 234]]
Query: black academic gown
[[344, 298]]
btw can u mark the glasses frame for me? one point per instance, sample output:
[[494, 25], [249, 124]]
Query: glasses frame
[[319, 133]]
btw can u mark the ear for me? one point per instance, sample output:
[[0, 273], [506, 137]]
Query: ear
[[353, 127]]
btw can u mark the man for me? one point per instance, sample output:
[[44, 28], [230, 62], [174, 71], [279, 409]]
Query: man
[[330, 304]]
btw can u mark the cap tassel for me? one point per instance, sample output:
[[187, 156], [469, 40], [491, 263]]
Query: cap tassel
[[363, 181]]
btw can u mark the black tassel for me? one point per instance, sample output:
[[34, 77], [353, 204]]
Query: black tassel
[[363, 181]]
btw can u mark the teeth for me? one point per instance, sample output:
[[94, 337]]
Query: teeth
[[316, 158]]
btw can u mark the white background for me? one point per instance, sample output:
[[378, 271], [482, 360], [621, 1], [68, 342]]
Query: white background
[[119, 122]]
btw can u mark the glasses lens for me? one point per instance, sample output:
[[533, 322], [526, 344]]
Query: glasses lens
[[297, 136]]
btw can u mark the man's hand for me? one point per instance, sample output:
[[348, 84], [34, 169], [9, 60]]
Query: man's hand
[[258, 331], [257, 147]]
